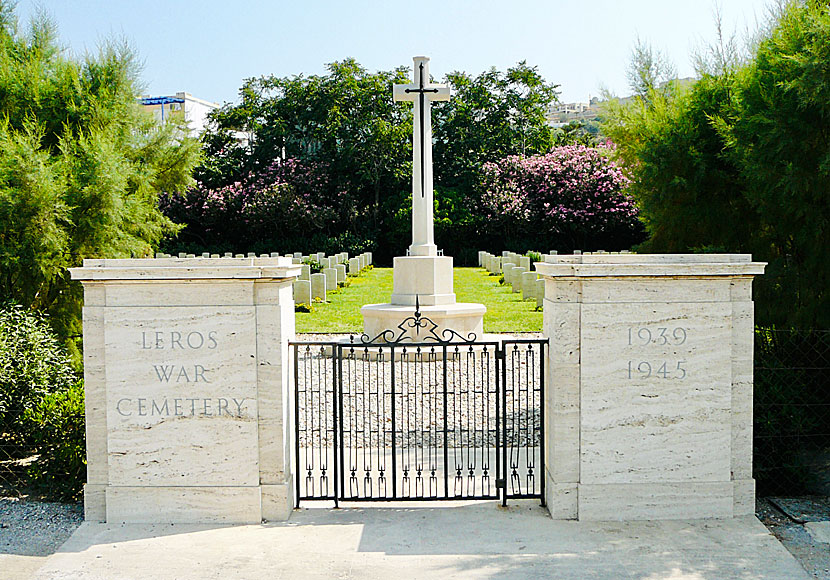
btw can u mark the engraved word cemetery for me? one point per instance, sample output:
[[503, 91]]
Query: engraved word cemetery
[[203, 406]]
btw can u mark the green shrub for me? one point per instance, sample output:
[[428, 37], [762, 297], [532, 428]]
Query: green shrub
[[56, 424], [534, 256], [33, 363]]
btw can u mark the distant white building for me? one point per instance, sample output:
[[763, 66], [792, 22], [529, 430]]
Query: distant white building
[[181, 105]]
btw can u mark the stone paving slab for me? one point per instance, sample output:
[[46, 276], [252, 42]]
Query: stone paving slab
[[475, 540]]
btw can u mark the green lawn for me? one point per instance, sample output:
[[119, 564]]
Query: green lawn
[[506, 312]]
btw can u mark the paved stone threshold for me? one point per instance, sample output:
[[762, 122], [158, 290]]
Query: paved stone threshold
[[456, 540]]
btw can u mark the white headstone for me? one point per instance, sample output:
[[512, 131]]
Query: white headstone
[[302, 292], [305, 273], [318, 286], [528, 285], [517, 278], [354, 267], [331, 279], [341, 273]]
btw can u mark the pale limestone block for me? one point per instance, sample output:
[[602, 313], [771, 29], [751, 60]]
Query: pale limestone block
[[271, 291], [95, 294], [540, 293], [563, 290], [180, 293], [354, 267], [655, 501], [529, 286], [95, 502], [655, 290], [181, 375], [184, 505], [671, 424], [741, 289], [561, 327], [742, 419], [305, 273], [524, 262], [562, 423], [302, 292], [562, 499], [516, 275], [427, 279], [743, 497], [331, 279], [743, 330], [277, 501], [296, 260], [318, 287], [95, 410], [341, 273]]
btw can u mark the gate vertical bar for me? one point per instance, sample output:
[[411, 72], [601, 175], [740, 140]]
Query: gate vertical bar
[[503, 357], [297, 493], [498, 442], [445, 430], [338, 406], [337, 379], [394, 426], [542, 380]]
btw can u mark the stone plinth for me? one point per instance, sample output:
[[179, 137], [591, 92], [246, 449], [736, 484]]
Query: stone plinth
[[427, 277], [648, 411], [464, 318], [186, 386], [427, 280]]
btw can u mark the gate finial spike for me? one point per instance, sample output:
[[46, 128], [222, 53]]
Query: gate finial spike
[[417, 307]]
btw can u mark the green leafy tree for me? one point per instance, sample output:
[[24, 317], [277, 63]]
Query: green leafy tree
[[490, 116], [740, 162], [81, 165]]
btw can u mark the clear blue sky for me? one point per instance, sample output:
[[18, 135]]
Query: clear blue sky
[[208, 47]]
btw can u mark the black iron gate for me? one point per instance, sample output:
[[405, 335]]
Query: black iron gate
[[446, 418]]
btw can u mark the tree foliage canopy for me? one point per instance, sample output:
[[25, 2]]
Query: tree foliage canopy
[[81, 165], [741, 162], [346, 124]]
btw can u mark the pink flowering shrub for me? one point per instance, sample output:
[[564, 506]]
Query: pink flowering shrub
[[288, 199], [574, 195]]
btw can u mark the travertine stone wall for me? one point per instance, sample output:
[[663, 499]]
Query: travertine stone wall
[[649, 398], [187, 391]]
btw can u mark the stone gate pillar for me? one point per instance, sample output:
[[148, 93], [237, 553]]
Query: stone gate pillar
[[649, 399], [187, 393]]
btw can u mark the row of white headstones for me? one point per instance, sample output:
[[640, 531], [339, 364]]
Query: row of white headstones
[[334, 271], [518, 272]]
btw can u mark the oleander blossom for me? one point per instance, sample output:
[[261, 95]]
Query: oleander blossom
[[289, 196], [572, 188]]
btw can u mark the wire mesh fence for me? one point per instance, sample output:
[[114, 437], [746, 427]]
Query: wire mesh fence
[[16, 458], [792, 412]]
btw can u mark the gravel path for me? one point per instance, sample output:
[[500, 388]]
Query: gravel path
[[30, 531]]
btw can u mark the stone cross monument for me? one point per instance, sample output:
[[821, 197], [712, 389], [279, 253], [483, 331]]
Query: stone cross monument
[[423, 278], [421, 93]]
